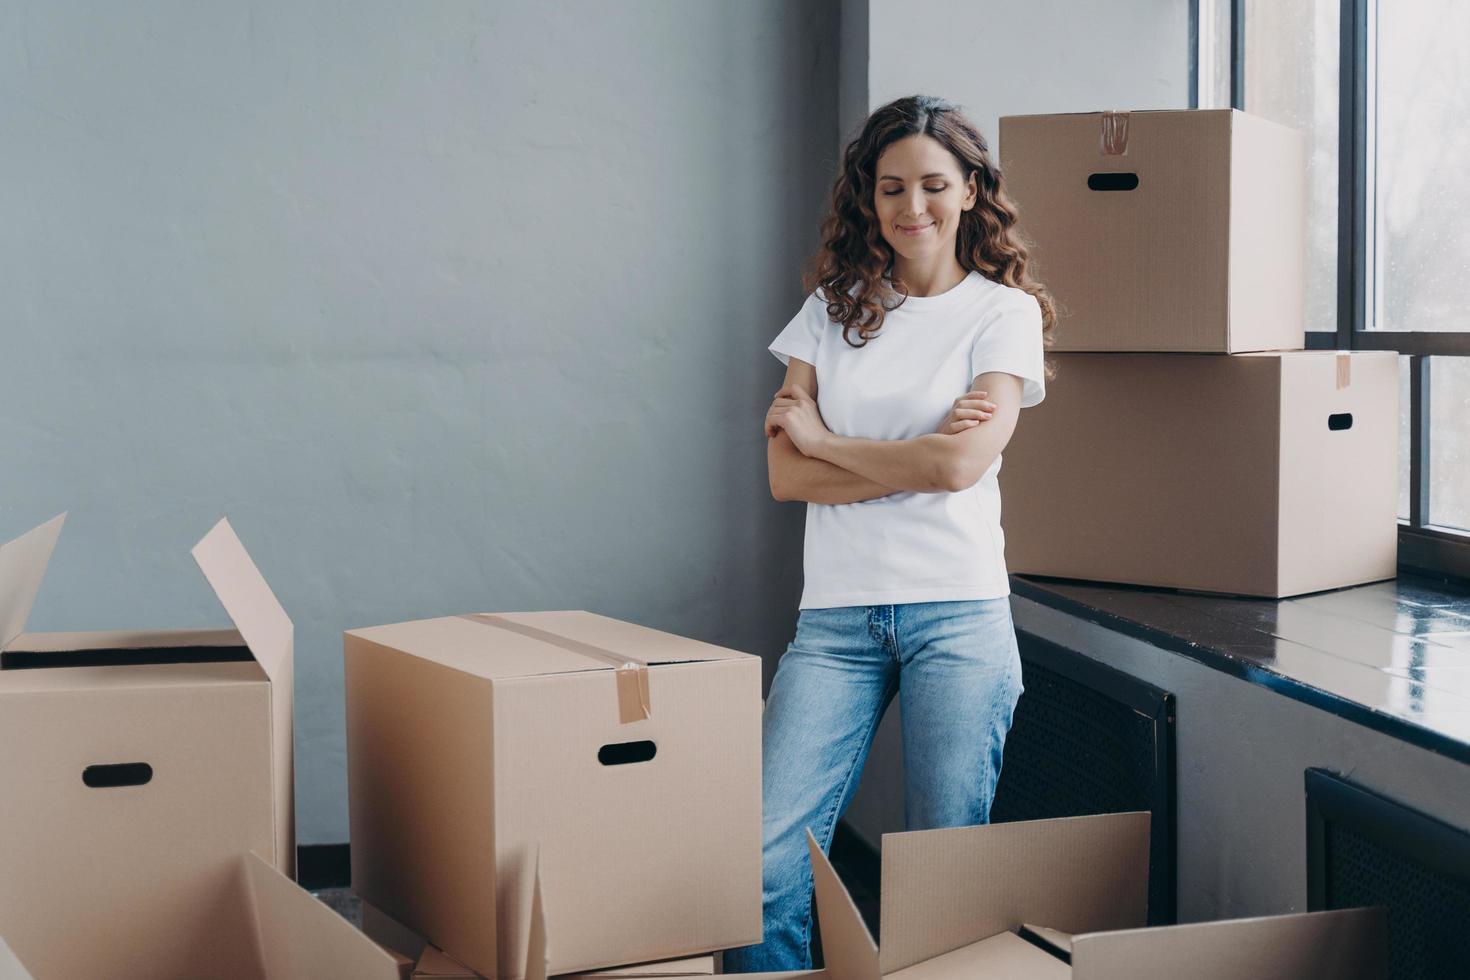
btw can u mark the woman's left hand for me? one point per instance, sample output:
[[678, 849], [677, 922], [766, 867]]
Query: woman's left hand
[[796, 412]]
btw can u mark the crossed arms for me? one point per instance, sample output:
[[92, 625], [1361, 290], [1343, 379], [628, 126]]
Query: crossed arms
[[808, 462]]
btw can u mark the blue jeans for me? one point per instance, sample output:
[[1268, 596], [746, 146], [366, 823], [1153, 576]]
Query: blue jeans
[[957, 671]]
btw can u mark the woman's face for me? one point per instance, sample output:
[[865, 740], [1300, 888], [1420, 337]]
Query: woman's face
[[919, 196]]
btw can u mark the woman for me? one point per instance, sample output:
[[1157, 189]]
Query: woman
[[906, 370]]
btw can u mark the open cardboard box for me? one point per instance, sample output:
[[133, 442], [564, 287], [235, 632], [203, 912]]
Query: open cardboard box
[[142, 766], [955, 904], [630, 756], [1167, 230]]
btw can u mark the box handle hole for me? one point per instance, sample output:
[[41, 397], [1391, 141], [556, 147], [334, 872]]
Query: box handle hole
[[117, 774], [1112, 182], [1340, 421], [625, 753]]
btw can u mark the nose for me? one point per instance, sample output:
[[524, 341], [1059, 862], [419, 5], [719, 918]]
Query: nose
[[916, 206]]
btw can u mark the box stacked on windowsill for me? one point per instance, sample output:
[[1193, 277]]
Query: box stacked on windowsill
[[1187, 440]]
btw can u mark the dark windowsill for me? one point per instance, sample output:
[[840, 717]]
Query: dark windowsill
[[1394, 656]]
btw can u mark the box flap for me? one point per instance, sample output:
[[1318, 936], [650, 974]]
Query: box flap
[[550, 643], [301, 938], [536, 928], [689, 966], [435, 964], [22, 566], [943, 889], [389, 933], [247, 599], [11, 967], [1345, 945], [847, 946], [268, 632], [1057, 942], [1003, 957]]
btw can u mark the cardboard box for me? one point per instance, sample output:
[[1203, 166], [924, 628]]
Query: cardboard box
[[1255, 474], [955, 903], [632, 756], [1164, 231], [164, 757], [435, 964]]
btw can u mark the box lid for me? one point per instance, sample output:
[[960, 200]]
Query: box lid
[[236, 582], [949, 888], [526, 644], [1349, 944], [22, 566], [301, 938], [434, 964], [943, 890]]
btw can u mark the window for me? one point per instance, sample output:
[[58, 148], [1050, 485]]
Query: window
[[1381, 90]]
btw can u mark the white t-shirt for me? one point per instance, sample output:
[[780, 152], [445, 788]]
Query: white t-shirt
[[908, 546]]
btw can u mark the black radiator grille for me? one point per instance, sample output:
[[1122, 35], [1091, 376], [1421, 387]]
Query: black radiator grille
[[1089, 739], [1364, 849]]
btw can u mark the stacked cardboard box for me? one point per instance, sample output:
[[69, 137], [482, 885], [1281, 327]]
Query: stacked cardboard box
[[1204, 449], [628, 758], [147, 809]]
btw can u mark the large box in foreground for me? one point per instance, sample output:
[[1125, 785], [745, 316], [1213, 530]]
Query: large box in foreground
[[1164, 231], [1255, 474], [139, 767], [630, 755], [957, 903]]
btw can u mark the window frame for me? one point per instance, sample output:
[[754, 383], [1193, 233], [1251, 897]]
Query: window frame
[[1423, 548]]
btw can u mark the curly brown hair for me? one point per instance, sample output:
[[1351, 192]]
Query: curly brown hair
[[854, 258]]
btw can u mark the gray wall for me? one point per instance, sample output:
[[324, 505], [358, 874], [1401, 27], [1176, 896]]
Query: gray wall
[[449, 306], [999, 59]]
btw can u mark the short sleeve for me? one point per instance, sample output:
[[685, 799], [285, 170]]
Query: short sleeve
[[1009, 341], [802, 337]]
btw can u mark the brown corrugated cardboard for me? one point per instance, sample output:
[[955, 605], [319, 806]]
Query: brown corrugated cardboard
[[686, 966], [955, 900], [296, 936], [1254, 474], [389, 933], [1203, 252], [435, 964], [469, 741], [166, 756], [405, 964], [11, 967]]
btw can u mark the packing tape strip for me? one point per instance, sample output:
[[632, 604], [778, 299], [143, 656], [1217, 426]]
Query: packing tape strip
[[1114, 137], [630, 672], [1344, 369]]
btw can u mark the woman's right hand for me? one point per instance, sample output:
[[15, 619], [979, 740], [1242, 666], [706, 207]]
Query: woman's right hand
[[970, 409]]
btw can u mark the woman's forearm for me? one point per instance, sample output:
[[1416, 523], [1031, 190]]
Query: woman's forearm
[[795, 476], [924, 465]]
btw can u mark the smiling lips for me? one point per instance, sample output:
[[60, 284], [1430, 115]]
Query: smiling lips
[[917, 229]]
